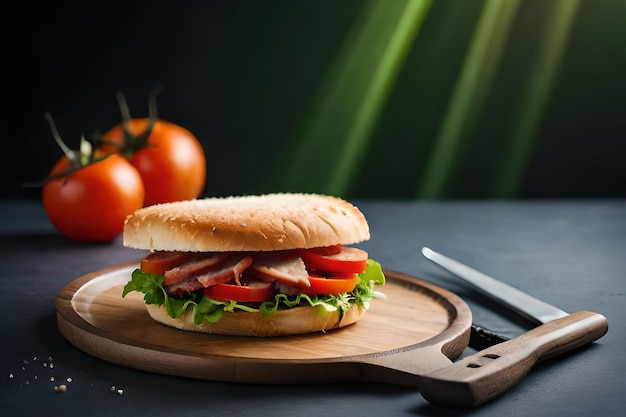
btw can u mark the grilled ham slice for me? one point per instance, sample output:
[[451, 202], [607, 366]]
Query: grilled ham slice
[[285, 268]]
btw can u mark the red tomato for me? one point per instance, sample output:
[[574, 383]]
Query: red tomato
[[160, 261], [249, 292], [332, 285], [172, 163], [346, 262], [91, 203], [327, 250]]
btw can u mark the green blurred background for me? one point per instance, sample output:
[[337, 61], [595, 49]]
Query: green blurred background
[[411, 99]]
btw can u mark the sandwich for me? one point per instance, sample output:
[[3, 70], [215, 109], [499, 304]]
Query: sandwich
[[259, 265]]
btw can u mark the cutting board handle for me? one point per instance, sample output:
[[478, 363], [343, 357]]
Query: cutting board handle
[[487, 374]]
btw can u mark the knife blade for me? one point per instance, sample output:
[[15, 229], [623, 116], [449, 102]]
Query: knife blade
[[530, 307], [487, 374]]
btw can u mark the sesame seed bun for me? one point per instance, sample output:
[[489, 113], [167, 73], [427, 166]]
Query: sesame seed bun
[[246, 223]]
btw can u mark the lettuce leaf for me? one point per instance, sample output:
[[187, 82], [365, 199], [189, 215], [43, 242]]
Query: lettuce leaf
[[204, 308]]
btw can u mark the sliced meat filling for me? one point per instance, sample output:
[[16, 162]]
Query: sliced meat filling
[[209, 272], [197, 265], [229, 270], [285, 268], [186, 286]]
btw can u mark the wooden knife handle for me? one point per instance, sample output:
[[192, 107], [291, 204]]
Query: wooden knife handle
[[486, 374]]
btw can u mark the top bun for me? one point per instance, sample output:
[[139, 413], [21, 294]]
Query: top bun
[[246, 223]]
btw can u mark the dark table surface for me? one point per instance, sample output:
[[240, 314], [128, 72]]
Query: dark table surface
[[569, 253]]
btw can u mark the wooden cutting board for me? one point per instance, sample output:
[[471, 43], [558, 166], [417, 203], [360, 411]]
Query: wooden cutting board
[[418, 328]]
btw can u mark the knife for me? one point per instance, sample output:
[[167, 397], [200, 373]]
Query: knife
[[485, 375], [529, 307]]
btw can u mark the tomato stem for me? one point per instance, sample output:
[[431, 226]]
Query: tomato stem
[[78, 160], [74, 158], [133, 143]]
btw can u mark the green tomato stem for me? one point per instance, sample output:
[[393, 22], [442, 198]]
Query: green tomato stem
[[71, 155], [133, 143]]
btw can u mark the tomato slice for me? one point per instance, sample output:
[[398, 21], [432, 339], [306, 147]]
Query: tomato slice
[[160, 261], [327, 250], [332, 285], [346, 262], [253, 291]]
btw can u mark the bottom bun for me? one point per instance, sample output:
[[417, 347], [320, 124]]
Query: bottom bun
[[298, 320]]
